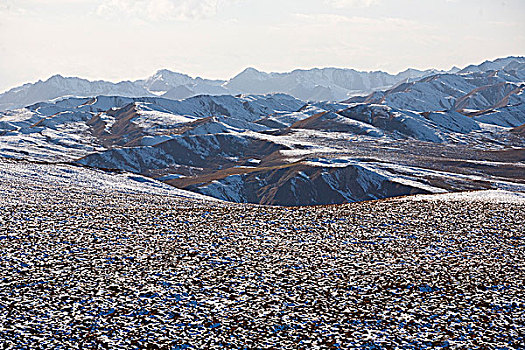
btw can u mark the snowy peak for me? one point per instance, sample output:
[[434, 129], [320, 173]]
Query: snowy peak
[[414, 74], [178, 86], [249, 81], [56, 78], [251, 73], [165, 80]]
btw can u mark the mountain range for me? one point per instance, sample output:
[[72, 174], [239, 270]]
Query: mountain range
[[327, 84], [440, 132]]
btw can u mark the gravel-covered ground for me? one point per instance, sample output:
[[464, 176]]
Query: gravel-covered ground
[[87, 268]]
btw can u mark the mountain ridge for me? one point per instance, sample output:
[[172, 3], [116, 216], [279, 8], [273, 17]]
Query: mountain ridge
[[300, 83]]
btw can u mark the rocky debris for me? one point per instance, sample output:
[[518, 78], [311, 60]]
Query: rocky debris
[[87, 268]]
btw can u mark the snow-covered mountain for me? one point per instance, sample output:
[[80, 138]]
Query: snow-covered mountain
[[492, 92], [180, 86], [439, 133]]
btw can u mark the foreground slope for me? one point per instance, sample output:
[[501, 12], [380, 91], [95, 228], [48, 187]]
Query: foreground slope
[[73, 177], [94, 268]]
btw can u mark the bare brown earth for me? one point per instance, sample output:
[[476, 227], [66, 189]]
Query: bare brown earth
[[84, 268], [520, 130], [122, 132]]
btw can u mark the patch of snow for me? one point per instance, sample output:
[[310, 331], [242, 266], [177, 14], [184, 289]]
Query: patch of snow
[[171, 177], [492, 196], [109, 120], [150, 119], [229, 189], [154, 140]]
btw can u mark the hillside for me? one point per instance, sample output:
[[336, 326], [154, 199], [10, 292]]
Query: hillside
[[124, 268]]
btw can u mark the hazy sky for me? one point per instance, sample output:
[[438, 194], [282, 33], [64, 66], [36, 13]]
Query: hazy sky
[[131, 39]]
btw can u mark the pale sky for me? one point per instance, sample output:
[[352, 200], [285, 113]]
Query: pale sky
[[131, 39]]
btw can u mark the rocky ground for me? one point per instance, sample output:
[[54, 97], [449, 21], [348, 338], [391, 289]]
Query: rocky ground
[[90, 268]]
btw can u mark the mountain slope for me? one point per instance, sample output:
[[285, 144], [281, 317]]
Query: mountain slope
[[489, 96]]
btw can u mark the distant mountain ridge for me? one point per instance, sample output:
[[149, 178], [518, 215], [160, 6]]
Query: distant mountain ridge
[[58, 86], [497, 64], [317, 84]]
